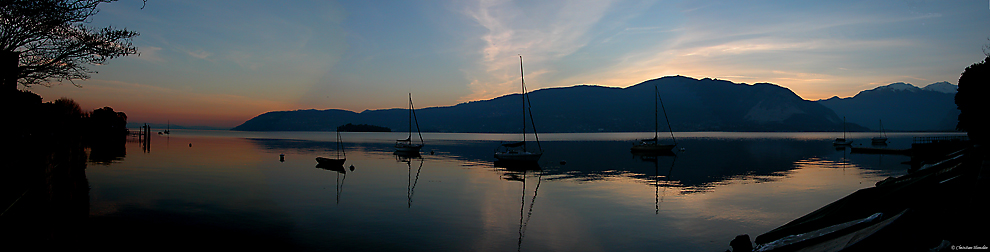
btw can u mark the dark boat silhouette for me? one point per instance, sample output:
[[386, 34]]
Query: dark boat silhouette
[[340, 157], [406, 145], [653, 145], [517, 151]]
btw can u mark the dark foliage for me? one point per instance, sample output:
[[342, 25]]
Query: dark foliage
[[107, 123], [974, 88], [43, 183], [42, 41], [43, 187]]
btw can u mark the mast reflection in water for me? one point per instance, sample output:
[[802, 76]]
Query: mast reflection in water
[[339, 169], [232, 184]]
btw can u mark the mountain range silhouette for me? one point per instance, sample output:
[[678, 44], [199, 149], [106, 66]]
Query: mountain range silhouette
[[691, 105]]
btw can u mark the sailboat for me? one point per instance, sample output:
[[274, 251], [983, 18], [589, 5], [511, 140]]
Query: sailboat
[[340, 158], [842, 141], [406, 145], [653, 144], [517, 151], [882, 139]]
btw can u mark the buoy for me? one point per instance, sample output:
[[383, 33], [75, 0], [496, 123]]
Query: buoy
[[352, 167], [281, 157], [190, 144], [563, 162]]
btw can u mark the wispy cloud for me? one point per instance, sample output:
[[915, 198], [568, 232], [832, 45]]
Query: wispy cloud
[[350, 54], [542, 32], [199, 54], [150, 53]]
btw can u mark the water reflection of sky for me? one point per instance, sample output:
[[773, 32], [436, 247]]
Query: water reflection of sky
[[706, 163], [601, 198]]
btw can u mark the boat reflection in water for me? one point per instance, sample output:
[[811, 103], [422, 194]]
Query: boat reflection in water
[[520, 171], [407, 157], [654, 158], [340, 179], [726, 184], [517, 165]]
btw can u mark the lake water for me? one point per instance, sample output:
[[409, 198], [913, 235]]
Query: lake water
[[222, 188]]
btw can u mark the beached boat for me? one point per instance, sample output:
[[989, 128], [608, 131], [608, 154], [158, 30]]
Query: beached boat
[[837, 237], [912, 212], [842, 141], [338, 160], [406, 145], [518, 151], [653, 144], [882, 139]]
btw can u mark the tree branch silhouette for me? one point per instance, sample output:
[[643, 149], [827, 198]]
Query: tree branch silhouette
[[43, 42]]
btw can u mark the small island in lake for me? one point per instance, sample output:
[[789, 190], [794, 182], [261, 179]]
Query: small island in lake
[[362, 128]]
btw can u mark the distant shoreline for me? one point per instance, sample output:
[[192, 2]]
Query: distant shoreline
[[916, 131]]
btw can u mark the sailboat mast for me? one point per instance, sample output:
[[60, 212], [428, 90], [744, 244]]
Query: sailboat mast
[[412, 111], [522, 79], [882, 132], [410, 117], [843, 128], [338, 143], [656, 119]]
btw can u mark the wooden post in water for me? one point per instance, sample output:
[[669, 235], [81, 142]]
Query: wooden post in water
[[146, 141]]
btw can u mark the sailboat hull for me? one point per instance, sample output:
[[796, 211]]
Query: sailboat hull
[[518, 156], [400, 147], [879, 140], [842, 141], [330, 161], [652, 148], [335, 167]]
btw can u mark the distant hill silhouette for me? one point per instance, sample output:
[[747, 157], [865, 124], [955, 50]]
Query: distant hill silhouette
[[692, 105], [901, 106], [300, 120]]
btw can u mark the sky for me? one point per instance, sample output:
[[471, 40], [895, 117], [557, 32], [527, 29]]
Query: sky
[[220, 63]]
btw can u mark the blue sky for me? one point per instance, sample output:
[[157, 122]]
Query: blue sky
[[219, 63]]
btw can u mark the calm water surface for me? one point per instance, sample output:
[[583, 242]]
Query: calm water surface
[[220, 186]]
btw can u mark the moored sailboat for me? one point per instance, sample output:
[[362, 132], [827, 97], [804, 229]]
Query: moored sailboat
[[842, 141], [405, 145], [653, 144], [518, 151], [882, 139], [338, 160]]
